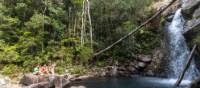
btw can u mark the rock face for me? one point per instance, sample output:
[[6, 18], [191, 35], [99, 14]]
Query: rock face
[[137, 65], [144, 58], [34, 81], [190, 8], [191, 11], [191, 24], [158, 63]]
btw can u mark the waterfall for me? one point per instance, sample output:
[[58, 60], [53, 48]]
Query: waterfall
[[178, 49]]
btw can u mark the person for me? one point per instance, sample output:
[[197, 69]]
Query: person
[[36, 70], [44, 69], [51, 71], [53, 68]]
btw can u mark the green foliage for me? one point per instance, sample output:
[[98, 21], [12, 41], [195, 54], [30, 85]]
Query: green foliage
[[79, 69], [8, 53], [84, 53], [115, 18], [11, 69], [38, 31]]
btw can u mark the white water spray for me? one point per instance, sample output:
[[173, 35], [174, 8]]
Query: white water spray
[[178, 49]]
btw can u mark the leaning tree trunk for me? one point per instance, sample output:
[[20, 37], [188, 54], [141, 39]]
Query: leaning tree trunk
[[136, 29], [187, 64]]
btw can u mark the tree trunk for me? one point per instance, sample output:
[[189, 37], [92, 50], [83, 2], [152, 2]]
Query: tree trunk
[[187, 64], [90, 24], [83, 23]]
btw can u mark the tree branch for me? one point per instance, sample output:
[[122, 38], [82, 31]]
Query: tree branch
[[136, 29]]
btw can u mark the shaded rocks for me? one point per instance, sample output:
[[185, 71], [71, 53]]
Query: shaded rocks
[[120, 71], [144, 58], [158, 63], [142, 64], [143, 61], [191, 24], [189, 7], [195, 83], [129, 68], [191, 11]]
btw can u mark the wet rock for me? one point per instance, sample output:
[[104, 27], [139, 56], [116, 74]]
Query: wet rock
[[196, 13], [170, 17], [137, 67], [142, 64], [150, 73], [121, 68], [131, 69], [109, 68], [111, 71], [123, 73], [158, 63], [132, 64], [144, 58]]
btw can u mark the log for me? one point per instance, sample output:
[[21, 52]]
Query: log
[[187, 64], [136, 29]]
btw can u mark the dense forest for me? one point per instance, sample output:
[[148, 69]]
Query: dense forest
[[70, 39], [69, 32]]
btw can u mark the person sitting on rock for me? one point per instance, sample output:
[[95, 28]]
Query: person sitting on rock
[[36, 70], [44, 69], [52, 69]]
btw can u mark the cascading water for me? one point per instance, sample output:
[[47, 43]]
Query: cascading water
[[178, 50]]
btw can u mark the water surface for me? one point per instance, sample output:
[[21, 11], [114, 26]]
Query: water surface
[[132, 82]]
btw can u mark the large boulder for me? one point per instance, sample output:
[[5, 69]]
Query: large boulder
[[191, 24], [158, 63], [29, 79], [191, 11], [189, 7], [44, 81], [144, 58]]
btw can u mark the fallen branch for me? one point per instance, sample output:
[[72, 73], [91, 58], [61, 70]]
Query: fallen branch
[[136, 29], [192, 25], [187, 64]]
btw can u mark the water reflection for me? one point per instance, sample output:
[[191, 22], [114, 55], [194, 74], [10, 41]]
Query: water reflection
[[134, 82]]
